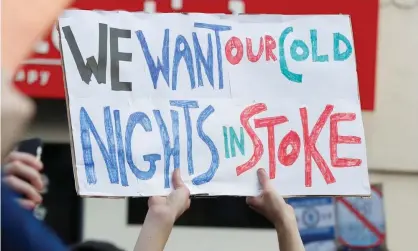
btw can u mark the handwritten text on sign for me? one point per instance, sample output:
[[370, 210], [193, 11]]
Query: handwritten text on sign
[[218, 97]]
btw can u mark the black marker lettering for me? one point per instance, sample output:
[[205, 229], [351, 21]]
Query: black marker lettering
[[91, 67], [116, 57]]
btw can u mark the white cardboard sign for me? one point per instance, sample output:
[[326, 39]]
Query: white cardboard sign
[[217, 96]]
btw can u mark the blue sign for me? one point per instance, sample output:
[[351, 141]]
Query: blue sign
[[361, 221], [329, 245], [316, 218]]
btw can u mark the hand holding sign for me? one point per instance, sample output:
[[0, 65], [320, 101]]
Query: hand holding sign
[[271, 205], [278, 212], [174, 205], [161, 215]]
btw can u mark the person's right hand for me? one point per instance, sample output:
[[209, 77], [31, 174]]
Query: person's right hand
[[271, 205], [22, 175], [175, 204]]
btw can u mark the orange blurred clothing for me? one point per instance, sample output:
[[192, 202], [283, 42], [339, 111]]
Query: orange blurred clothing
[[23, 23]]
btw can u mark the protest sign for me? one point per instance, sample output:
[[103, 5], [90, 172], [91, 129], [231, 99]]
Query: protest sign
[[217, 96]]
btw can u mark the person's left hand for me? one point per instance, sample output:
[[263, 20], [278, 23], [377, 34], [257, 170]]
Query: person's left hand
[[22, 174], [175, 204]]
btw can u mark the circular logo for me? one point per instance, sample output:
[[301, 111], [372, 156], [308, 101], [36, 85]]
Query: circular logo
[[310, 217]]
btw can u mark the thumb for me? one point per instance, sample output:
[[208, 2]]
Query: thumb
[[254, 201], [263, 179], [179, 200], [177, 180], [180, 197]]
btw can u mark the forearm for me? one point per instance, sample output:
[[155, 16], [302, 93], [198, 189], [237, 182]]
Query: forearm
[[154, 233], [289, 237]]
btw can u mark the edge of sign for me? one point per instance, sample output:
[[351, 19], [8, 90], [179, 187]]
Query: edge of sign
[[77, 188], [206, 195], [202, 196], [357, 78]]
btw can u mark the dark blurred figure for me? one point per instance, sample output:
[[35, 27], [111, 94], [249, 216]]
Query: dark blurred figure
[[95, 246]]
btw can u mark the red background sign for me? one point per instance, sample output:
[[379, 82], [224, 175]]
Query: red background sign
[[41, 76]]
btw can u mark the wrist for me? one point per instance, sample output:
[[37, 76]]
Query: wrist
[[286, 225], [160, 216]]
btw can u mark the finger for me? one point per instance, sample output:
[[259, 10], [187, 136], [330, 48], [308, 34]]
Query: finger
[[23, 171], [263, 179], [254, 201], [26, 158], [27, 204], [23, 188], [177, 180]]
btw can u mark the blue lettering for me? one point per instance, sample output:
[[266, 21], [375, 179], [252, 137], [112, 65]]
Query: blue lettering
[[109, 156], [294, 50], [186, 105], [165, 140], [121, 150], [315, 56], [152, 158], [206, 177], [338, 56], [186, 54], [216, 28], [142, 119], [200, 59], [163, 67], [282, 59]]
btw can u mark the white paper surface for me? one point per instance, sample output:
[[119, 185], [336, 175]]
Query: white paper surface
[[113, 158]]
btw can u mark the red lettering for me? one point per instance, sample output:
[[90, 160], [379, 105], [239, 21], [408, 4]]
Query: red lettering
[[291, 139], [251, 57], [310, 146], [270, 46], [234, 43], [270, 123], [258, 145], [336, 139]]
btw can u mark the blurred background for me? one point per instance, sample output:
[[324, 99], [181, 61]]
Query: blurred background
[[386, 47]]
